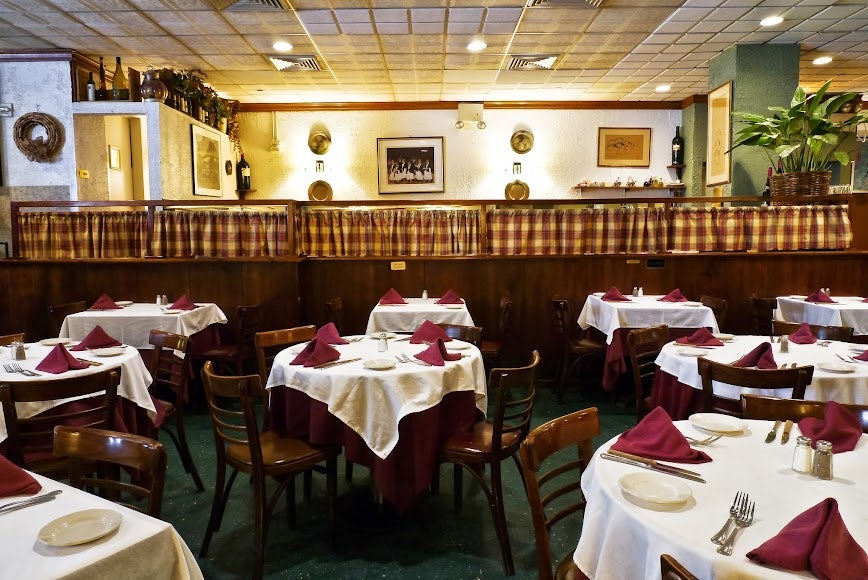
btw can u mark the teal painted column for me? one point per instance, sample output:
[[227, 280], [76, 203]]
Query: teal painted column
[[694, 128], [762, 75]]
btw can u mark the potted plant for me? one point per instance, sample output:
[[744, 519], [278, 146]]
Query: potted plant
[[804, 138]]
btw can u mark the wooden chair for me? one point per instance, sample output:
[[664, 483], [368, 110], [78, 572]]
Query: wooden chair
[[491, 349], [671, 569], [241, 446], [841, 333], [489, 443], [231, 356], [30, 440], [643, 346], [796, 379], [334, 309], [558, 484], [59, 312], [573, 349], [271, 342], [718, 307], [8, 339], [471, 334], [170, 375], [762, 312], [96, 455], [773, 408]]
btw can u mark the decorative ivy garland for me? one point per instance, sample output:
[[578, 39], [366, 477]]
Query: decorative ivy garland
[[39, 149]]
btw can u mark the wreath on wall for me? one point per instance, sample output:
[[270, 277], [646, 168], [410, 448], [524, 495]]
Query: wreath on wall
[[40, 149]]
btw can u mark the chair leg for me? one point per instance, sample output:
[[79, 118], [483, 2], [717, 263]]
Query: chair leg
[[221, 496], [180, 441], [290, 502], [308, 484], [259, 527], [498, 512], [457, 484], [331, 496], [348, 471]]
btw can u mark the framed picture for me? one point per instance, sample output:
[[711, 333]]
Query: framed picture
[[719, 135], [207, 165], [114, 157], [410, 165], [623, 147], [859, 169]]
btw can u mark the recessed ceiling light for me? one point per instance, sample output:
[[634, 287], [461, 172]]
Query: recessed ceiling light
[[823, 60], [282, 46], [771, 21], [662, 88], [476, 45]]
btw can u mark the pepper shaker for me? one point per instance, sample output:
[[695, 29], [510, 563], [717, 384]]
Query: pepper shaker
[[383, 344], [822, 467], [424, 295], [802, 456], [785, 343], [18, 351]]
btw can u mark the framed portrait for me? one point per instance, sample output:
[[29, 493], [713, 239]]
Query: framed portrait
[[114, 157], [719, 135], [207, 164], [623, 147], [859, 169], [410, 165]]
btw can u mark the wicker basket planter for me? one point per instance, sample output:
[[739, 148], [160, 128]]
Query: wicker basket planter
[[801, 183]]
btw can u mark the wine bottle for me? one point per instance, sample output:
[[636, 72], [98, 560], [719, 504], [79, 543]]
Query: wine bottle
[[677, 148], [91, 87], [242, 172], [120, 89], [767, 190], [101, 92]]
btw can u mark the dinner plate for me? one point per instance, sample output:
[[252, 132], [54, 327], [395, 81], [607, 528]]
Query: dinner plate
[[296, 349], [108, 351], [379, 364], [716, 422], [54, 341], [655, 489], [688, 351], [837, 367], [172, 311], [379, 335], [80, 527], [691, 303], [724, 337], [453, 306], [458, 345], [124, 302]]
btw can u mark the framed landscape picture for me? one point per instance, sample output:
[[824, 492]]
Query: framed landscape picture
[[207, 165], [410, 165], [623, 147], [859, 171], [719, 135]]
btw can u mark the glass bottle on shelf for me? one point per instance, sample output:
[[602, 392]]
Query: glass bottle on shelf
[[101, 92], [91, 87], [767, 189], [242, 171], [120, 89], [678, 147]]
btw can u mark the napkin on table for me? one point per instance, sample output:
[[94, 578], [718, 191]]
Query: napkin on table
[[803, 335], [761, 357], [316, 352], [838, 426], [450, 297], [818, 296], [817, 540], [16, 481], [329, 334], [58, 360], [428, 332], [104, 302], [182, 303], [674, 296], [702, 337], [655, 437], [614, 295], [96, 338], [436, 354], [392, 297], [863, 356]]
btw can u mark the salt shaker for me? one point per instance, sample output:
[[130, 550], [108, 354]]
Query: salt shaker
[[159, 300], [18, 351], [785, 343], [164, 300], [641, 291], [383, 344], [424, 295], [822, 467], [635, 290], [802, 456]]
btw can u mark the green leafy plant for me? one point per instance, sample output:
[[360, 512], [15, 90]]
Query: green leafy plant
[[803, 136]]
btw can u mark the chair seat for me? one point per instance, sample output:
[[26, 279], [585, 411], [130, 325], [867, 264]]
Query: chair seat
[[567, 569], [586, 346], [223, 351], [478, 440], [168, 407], [490, 347], [277, 452]]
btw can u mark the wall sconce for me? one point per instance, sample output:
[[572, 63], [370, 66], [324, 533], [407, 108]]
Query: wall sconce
[[320, 165], [516, 168]]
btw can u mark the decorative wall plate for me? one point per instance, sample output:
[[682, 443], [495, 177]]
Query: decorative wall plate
[[319, 190], [521, 141], [319, 141], [517, 190]]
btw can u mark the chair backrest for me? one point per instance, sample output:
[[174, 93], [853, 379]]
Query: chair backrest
[[58, 312], [471, 334], [557, 483], [335, 313], [168, 370], [271, 342], [796, 379], [8, 339], [718, 307], [248, 321], [34, 436], [96, 455], [672, 569], [515, 390], [774, 408], [762, 311], [842, 333], [507, 312], [643, 346]]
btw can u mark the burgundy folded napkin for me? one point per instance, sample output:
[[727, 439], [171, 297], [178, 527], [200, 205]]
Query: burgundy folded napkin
[[702, 337], [450, 297], [817, 540], [96, 338], [761, 357], [865, 299], [436, 354], [392, 297], [655, 437], [614, 295], [183, 303], [863, 356], [58, 360], [674, 296], [16, 481], [428, 332], [316, 352], [104, 302], [330, 335], [803, 335], [818, 296], [838, 426]]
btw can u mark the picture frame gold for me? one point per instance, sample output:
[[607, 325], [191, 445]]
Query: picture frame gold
[[207, 162], [859, 169], [624, 147], [718, 166], [114, 157]]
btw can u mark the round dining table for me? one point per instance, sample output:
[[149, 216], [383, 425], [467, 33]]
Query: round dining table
[[408, 317]]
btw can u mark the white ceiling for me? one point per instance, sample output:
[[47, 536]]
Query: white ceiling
[[415, 50]]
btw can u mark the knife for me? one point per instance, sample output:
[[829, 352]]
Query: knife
[[786, 435], [652, 462], [774, 432], [17, 505], [658, 467], [335, 363]]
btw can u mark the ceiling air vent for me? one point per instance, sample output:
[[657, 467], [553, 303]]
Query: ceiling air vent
[[238, 5], [559, 3], [289, 63], [531, 62]]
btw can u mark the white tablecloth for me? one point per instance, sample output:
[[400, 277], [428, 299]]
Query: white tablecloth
[[132, 325], [135, 378], [142, 547], [847, 311], [643, 312], [622, 540], [373, 402], [825, 386], [408, 317]]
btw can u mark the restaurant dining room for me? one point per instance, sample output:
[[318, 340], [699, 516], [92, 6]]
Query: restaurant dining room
[[436, 289]]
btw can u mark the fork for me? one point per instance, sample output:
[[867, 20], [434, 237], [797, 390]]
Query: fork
[[742, 520], [8, 368], [737, 503], [415, 360], [707, 441], [25, 372]]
